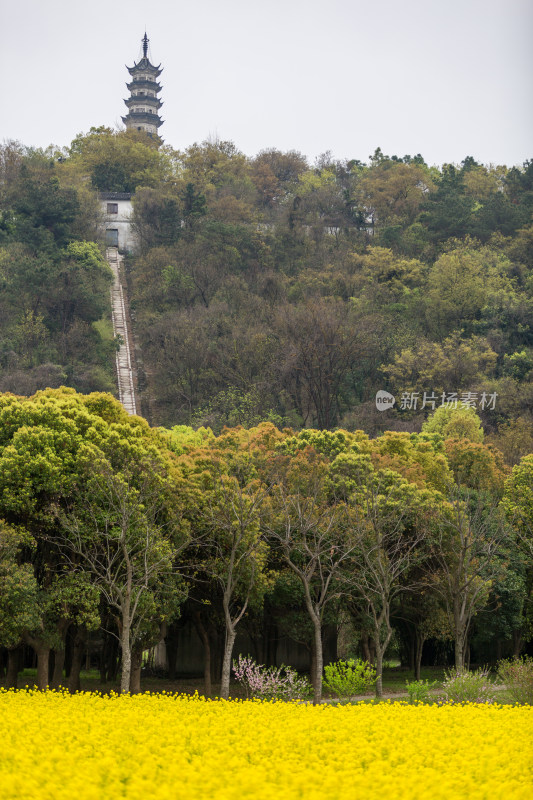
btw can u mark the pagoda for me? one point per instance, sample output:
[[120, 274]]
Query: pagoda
[[143, 102]]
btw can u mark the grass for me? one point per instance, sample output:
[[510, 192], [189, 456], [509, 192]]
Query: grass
[[393, 682], [394, 679], [104, 326]]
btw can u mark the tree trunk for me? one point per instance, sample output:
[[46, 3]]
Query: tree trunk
[[125, 625], [42, 653], [316, 676], [103, 660], [78, 652], [272, 644], [216, 638], [109, 659], [312, 663], [126, 656], [57, 676], [319, 662], [412, 652], [461, 632], [518, 642], [381, 648], [372, 646], [106, 655], [379, 670], [493, 660], [59, 655], [204, 636], [69, 641], [367, 656], [459, 649], [171, 641], [13, 667], [136, 665], [226, 663], [43, 661], [418, 658]]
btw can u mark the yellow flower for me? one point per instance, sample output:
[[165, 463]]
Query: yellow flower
[[59, 746]]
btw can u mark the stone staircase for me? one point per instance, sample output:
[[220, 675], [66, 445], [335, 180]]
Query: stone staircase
[[124, 359]]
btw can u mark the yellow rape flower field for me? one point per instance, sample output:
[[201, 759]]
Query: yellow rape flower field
[[86, 746]]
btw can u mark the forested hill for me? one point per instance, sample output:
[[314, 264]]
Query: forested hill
[[268, 288]]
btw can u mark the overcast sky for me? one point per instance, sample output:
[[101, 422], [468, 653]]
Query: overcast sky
[[445, 78]]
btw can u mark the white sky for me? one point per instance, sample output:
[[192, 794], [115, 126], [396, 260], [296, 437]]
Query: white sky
[[446, 78]]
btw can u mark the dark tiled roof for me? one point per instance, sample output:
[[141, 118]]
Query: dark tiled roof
[[146, 65]]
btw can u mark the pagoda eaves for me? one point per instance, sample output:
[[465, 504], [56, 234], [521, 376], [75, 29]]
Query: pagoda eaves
[[146, 65]]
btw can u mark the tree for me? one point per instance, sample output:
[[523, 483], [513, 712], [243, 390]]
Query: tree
[[123, 532], [44, 210], [215, 166], [81, 286], [55, 448], [460, 283], [232, 549], [465, 560], [456, 423], [39, 443], [519, 184], [54, 285], [419, 458], [392, 192], [18, 595], [64, 600], [422, 616], [475, 465], [518, 502], [323, 201], [11, 159], [287, 167], [389, 520], [311, 534], [120, 161], [514, 438], [320, 345], [447, 212], [194, 205], [458, 364], [156, 218]]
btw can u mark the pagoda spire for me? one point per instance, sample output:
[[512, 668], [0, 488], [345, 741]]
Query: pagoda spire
[[143, 103]]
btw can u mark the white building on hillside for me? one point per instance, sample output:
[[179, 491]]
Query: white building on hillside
[[117, 211]]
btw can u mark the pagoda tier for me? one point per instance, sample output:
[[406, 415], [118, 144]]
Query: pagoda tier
[[145, 85], [145, 65], [143, 103], [139, 120], [145, 100]]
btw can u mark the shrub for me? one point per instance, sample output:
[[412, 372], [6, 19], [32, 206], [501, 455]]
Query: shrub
[[461, 686], [419, 691], [270, 683], [349, 678], [517, 675]]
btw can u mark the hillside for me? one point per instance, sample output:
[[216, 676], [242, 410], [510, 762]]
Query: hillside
[[267, 288]]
